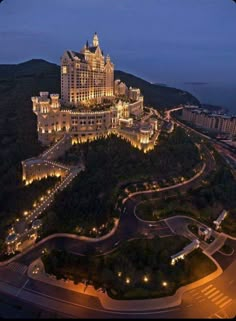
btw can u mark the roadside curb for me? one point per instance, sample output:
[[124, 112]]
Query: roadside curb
[[125, 305]]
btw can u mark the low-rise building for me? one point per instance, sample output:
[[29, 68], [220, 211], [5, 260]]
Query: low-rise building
[[204, 232], [188, 249], [205, 119], [220, 219]]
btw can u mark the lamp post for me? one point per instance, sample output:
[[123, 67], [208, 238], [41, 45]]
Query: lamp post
[[127, 281], [145, 279]]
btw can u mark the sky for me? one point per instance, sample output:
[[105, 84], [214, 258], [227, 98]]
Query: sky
[[158, 40]]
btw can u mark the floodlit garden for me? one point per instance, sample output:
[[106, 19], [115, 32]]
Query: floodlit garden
[[138, 269], [112, 165]]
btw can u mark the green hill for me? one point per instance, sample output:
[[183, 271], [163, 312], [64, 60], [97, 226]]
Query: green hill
[[18, 135], [157, 95]]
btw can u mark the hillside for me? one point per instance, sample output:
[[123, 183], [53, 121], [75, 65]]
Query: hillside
[[18, 136], [158, 96]]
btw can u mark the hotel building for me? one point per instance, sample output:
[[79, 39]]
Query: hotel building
[[92, 104], [86, 76]]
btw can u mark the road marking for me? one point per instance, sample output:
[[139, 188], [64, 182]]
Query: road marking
[[208, 287], [22, 287], [194, 294], [218, 316], [202, 300], [221, 300], [217, 297], [214, 294], [211, 290], [222, 305], [198, 297]]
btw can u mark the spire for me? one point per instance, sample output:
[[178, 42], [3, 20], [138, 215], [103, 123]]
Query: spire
[[108, 59], [95, 40], [87, 45]]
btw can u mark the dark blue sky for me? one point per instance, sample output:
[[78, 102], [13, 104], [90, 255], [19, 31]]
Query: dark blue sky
[[160, 40]]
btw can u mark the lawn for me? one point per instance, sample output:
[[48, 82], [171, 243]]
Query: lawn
[[204, 203]]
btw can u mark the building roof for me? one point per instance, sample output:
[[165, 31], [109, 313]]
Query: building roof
[[79, 55], [32, 161], [11, 238], [92, 49]]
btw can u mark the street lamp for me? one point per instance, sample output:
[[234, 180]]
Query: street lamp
[[119, 274], [164, 284], [127, 281], [145, 279]]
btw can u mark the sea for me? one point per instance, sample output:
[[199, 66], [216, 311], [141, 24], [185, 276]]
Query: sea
[[217, 94]]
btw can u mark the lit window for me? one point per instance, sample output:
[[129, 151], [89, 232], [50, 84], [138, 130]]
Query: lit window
[[64, 69]]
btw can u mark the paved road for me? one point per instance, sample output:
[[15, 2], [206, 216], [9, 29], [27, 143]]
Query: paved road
[[214, 299]]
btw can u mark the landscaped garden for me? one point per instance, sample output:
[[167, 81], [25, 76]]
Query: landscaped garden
[[138, 269], [111, 166], [204, 203]]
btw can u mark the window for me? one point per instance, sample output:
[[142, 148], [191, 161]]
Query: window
[[64, 69]]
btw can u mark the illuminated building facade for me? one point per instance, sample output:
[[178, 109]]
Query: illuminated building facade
[[91, 104], [205, 119], [86, 76]]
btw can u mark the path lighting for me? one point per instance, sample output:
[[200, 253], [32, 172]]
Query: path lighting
[[164, 284], [127, 281], [145, 279]]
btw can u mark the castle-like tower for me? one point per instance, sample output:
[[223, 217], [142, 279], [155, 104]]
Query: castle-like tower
[[101, 105], [86, 76]]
